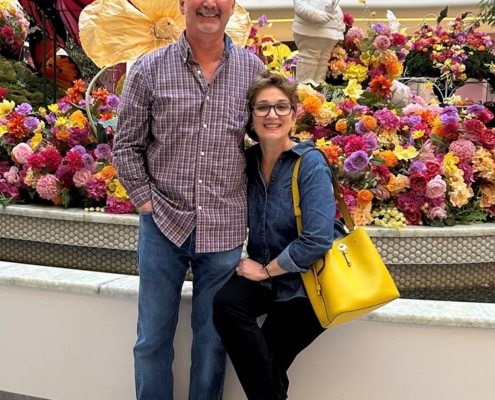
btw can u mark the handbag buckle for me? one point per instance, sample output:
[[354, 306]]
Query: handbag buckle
[[343, 248]]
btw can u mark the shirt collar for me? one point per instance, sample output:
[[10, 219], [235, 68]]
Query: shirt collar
[[185, 49]]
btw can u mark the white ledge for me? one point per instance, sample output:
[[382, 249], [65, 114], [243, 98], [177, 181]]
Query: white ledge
[[422, 312]]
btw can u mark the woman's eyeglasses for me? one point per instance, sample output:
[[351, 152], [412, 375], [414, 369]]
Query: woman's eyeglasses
[[281, 109]]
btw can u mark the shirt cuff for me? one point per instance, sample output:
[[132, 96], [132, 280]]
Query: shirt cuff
[[287, 263], [140, 196]]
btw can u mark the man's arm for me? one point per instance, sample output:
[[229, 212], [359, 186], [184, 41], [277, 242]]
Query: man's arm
[[131, 137]]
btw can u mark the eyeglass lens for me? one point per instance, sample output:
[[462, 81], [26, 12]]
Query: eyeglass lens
[[281, 109]]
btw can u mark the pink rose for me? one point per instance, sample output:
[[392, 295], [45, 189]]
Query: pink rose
[[12, 176], [437, 212], [300, 112], [380, 193], [436, 187], [82, 177], [381, 42], [22, 152]]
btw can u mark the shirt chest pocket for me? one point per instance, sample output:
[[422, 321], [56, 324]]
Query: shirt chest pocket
[[238, 115]]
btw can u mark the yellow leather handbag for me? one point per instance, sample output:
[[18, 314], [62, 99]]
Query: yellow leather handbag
[[351, 280]]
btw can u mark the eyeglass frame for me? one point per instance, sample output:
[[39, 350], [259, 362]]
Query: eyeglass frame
[[273, 106]]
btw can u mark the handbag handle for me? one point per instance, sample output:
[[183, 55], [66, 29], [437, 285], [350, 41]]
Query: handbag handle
[[349, 223]]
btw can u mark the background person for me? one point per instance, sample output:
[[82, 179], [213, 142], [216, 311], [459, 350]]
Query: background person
[[269, 281], [178, 152]]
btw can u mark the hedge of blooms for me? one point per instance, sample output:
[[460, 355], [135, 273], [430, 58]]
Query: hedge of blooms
[[52, 156], [455, 53], [400, 161]]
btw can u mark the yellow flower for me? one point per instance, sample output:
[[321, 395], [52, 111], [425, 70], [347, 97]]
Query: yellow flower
[[355, 71], [40, 128], [53, 108], [362, 1], [450, 162], [419, 133], [3, 130], [61, 121], [36, 141], [78, 119], [405, 154], [117, 190], [6, 107], [42, 111], [353, 89]]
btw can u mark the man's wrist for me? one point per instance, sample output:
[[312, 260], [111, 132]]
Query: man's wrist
[[267, 271]]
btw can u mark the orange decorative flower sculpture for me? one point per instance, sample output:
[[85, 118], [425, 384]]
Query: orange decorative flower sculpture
[[115, 31]]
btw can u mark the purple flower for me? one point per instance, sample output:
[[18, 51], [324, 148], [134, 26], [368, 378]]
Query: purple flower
[[31, 123], [449, 115], [23, 109], [371, 141], [79, 149], [417, 166], [475, 109], [382, 29], [51, 118], [113, 101], [252, 49], [82, 102], [360, 128], [358, 109], [88, 161], [103, 150], [63, 106], [262, 21], [413, 120], [357, 161]]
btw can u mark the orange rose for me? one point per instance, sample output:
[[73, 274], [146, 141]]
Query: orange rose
[[63, 135], [107, 173], [341, 125], [364, 197], [389, 157], [369, 122]]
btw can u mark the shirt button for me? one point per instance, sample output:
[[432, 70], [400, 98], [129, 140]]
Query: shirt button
[[199, 72], [207, 97], [202, 153], [200, 181], [205, 126], [199, 207]]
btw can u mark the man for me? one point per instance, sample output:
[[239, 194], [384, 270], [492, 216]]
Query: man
[[178, 152]]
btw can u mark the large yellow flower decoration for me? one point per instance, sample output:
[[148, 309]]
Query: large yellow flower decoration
[[115, 31]]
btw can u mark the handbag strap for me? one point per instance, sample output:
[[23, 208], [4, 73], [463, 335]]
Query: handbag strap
[[349, 223]]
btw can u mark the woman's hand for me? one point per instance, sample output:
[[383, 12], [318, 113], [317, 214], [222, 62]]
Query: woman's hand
[[251, 270]]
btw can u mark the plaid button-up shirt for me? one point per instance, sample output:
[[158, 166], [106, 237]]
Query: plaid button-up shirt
[[179, 143]]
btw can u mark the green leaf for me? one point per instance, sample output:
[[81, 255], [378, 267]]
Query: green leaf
[[377, 161]]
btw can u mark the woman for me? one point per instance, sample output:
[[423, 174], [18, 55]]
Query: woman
[[269, 281]]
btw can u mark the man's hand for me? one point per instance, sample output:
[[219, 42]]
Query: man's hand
[[251, 270], [148, 206]]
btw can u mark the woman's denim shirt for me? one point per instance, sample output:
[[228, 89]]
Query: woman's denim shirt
[[272, 224]]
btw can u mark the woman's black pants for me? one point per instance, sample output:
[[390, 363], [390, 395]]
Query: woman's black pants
[[262, 356]]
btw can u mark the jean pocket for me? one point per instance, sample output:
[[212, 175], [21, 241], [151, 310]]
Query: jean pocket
[[145, 213]]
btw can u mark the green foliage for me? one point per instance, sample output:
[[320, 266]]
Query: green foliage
[[487, 12], [23, 85], [419, 64]]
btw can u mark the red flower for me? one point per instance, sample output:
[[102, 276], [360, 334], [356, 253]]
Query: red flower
[[15, 125], [7, 31], [36, 162], [418, 181], [52, 158], [380, 84], [487, 139], [3, 94], [74, 161]]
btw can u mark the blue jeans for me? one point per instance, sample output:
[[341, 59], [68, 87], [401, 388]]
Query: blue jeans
[[162, 268]]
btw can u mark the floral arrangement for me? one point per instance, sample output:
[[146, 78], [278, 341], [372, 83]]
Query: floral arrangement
[[421, 164], [361, 57], [14, 28], [272, 52], [455, 53], [53, 156]]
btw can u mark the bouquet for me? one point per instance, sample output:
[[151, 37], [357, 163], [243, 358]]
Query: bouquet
[[53, 156], [14, 28]]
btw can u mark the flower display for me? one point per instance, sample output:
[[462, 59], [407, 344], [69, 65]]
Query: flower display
[[455, 53], [412, 165], [362, 57], [52, 154], [14, 28]]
